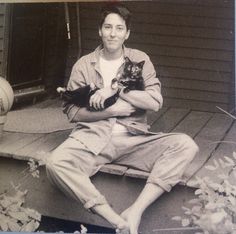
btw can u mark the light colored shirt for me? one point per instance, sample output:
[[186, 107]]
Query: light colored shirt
[[96, 135], [109, 70]]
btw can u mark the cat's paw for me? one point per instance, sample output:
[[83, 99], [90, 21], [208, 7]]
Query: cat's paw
[[61, 90], [92, 86]]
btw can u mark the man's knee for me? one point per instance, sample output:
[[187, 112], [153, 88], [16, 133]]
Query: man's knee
[[187, 143], [184, 143]]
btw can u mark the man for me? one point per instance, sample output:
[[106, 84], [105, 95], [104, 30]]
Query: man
[[117, 134]]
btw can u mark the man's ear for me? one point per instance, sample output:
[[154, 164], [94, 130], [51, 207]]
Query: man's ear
[[99, 31], [127, 35]]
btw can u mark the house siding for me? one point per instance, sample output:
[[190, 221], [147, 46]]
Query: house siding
[[3, 38], [191, 44]]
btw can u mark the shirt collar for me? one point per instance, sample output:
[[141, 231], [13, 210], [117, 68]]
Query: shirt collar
[[95, 55]]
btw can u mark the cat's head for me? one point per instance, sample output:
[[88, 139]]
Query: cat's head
[[133, 69]]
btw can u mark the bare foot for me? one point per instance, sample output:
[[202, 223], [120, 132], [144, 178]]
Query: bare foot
[[123, 228], [132, 218]]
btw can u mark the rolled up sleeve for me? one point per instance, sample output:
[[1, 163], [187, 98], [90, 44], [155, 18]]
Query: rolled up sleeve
[[76, 80]]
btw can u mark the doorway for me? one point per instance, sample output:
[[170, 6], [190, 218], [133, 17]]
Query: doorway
[[27, 45]]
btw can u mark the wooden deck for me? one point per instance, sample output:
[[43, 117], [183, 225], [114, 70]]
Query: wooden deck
[[213, 133]]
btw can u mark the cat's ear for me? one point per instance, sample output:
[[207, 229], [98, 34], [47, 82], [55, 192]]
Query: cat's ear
[[127, 60], [140, 64]]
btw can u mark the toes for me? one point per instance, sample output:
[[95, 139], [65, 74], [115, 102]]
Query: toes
[[122, 231], [123, 228]]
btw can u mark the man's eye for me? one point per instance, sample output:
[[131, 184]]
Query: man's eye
[[107, 26], [120, 28]]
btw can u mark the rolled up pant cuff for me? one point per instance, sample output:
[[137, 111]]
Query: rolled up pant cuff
[[95, 201], [160, 183]]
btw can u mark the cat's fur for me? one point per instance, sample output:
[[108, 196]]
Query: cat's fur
[[131, 79], [81, 96]]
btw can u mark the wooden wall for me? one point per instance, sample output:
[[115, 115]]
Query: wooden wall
[[191, 44], [3, 39]]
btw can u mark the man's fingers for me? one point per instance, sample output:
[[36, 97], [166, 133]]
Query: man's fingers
[[93, 101], [102, 103], [97, 102]]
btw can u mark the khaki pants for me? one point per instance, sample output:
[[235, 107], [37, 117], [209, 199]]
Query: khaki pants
[[165, 156]]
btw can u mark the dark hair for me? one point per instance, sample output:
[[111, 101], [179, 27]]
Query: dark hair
[[116, 8]]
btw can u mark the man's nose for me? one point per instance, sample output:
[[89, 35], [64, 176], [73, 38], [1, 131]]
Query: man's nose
[[113, 32]]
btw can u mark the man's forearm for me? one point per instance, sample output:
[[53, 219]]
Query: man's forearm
[[141, 99], [85, 115], [120, 108]]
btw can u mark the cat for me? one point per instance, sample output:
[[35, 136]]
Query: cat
[[81, 96], [131, 79]]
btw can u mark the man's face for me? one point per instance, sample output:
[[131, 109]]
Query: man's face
[[113, 32]]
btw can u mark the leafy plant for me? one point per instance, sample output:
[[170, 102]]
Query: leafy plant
[[13, 215], [214, 208]]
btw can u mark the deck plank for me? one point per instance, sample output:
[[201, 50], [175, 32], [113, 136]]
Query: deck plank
[[11, 142], [213, 131], [114, 169], [193, 123], [44, 144], [153, 116], [54, 102], [137, 173], [8, 139], [224, 149], [169, 120]]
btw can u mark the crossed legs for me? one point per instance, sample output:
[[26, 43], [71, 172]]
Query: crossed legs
[[71, 165]]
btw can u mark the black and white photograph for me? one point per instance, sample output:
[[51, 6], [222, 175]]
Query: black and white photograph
[[117, 116]]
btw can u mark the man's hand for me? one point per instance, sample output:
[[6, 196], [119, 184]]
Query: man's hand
[[121, 108], [97, 99]]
